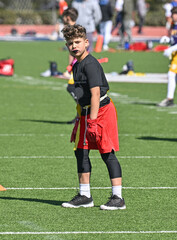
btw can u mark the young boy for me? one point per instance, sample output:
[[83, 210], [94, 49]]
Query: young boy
[[171, 53], [97, 123]]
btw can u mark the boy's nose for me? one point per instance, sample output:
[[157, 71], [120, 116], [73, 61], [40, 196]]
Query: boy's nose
[[74, 45]]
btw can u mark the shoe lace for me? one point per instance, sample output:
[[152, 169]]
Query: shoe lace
[[75, 197], [110, 199]]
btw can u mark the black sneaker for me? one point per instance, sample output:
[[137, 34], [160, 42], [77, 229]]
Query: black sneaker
[[114, 203], [166, 103], [79, 201]]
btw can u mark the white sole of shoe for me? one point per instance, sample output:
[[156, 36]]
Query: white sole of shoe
[[68, 205], [103, 207]]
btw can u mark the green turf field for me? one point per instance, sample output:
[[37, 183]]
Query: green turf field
[[38, 166]]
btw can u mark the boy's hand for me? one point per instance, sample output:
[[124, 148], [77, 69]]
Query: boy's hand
[[73, 135], [92, 133]]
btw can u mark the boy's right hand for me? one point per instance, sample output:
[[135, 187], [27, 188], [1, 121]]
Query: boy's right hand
[[92, 133]]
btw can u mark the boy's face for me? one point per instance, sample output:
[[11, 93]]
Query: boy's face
[[78, 47], [174, 17]]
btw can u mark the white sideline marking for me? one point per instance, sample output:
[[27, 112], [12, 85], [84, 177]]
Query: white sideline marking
[[71, 157], [83, 232], [34, 81], [146, 78], [63, 134], [97, 188], [30, 135]]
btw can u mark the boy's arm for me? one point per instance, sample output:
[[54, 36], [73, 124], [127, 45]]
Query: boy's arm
[[92, 133], [170, 50], [95, 102]]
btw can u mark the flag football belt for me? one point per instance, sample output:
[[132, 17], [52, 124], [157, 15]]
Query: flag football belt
[[86, 109]]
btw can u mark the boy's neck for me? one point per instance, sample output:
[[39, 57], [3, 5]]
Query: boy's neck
[[84, 55]]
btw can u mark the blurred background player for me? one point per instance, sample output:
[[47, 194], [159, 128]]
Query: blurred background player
[[106, 22], [168, 7], [69, 18], [119, 14], [141, 7], [89, 16], [127, 23], [61, 6], [171, 53]]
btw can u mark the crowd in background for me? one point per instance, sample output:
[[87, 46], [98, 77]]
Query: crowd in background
[[104, 16]]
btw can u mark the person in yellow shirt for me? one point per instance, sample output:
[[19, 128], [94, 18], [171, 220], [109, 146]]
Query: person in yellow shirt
[[171, 53]]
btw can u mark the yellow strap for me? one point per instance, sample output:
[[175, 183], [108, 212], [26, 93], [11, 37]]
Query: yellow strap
[[71, 80], [79, 109]]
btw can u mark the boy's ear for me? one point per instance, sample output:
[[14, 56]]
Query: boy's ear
[[86, 42]]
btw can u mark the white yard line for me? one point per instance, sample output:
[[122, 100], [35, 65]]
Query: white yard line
[[85, 232], [94, 188], [93, 157], [64, 134], [31, 135]]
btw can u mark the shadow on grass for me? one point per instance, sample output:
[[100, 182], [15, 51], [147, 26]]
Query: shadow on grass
[[145, 103], [47, 121], [51, 202], [157, 139]]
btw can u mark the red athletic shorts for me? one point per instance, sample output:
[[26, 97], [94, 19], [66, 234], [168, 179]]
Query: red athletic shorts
[[107, 130]]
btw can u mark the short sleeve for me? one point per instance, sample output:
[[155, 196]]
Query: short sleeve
[[93, 73]]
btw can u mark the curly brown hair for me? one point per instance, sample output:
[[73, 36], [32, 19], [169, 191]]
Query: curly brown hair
[[75, 31]]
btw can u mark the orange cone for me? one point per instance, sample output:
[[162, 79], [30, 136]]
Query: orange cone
[[2, 188], [99, 44]]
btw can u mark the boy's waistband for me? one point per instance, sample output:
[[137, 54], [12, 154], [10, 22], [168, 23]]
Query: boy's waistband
[[104, 100]]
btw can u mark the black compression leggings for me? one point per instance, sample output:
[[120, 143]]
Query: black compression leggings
[[84, 164]]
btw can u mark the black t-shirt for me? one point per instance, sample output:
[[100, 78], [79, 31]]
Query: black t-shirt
[[88, 74]]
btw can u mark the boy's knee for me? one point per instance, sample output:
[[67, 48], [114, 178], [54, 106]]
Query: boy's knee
[[83, 161], [112, 164]]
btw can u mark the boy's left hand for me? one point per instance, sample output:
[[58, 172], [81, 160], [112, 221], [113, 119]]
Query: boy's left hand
[[92, 133]]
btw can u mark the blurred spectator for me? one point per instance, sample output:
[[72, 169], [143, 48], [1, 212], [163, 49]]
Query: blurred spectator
[[168, 7], [70, 16], [119, 14], [61, 6], [127, 23], [89, 17], [141, 7], [171, 53], [106, 22]]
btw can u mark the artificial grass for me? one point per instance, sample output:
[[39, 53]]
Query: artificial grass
[[36, 152]]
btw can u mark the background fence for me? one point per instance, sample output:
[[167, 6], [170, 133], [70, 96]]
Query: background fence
[[46, 12], [28, 11]]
